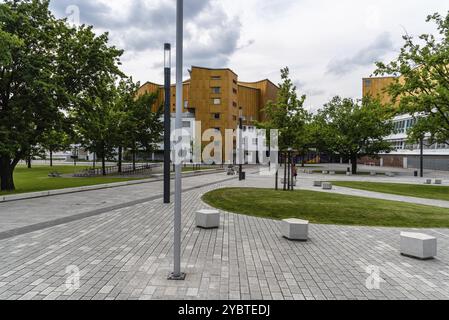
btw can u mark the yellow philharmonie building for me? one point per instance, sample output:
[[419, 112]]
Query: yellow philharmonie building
[[217, 98]]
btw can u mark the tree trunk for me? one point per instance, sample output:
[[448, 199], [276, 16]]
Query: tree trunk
[[51, 158], [277, 180], [285, 172], [29, 162], [103, 165], [7, 175], [134, 160], [103, 161], [95, 160], [354, 164], [120, 152]]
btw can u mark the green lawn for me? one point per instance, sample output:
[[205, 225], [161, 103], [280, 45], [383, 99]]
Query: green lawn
[[411, 190], [36, 179], [326, 208]]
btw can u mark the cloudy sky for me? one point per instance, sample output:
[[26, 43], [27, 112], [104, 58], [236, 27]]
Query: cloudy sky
[[329, 45]]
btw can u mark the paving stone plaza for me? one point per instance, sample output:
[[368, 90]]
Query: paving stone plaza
[[126, 252]]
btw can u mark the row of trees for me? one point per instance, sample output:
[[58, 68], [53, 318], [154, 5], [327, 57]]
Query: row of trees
[[349, 128], [61, 84], [353, 129]]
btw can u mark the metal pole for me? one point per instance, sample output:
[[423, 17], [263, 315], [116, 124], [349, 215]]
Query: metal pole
[[240, 149], [167, 123], [421, 159], [177, 274]]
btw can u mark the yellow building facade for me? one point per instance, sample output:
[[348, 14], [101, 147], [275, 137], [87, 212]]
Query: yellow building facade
[[217, 98], [377, 88]]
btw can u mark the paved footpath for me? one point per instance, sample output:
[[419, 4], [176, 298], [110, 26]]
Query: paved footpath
[[126, 254]]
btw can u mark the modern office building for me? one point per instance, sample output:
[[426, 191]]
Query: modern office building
[[217, 98], [405, 154]]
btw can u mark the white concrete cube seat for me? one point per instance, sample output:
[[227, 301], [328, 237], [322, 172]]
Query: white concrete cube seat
[[208, 219], [438, 181], [389, 174], [428, 181], [418, 245], [325, 172], [295, 229], [327, 186], [373, 173], [349, 174], [318, 184], [332, 173]]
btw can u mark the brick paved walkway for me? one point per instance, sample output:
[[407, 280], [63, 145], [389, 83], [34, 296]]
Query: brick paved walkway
[[126, 254]]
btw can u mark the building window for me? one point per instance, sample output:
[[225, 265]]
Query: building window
[[186, 104], [234, 118], [368, 83], [234, 90], [217, 129], [186, 124], [235, 81], [215, 77], [234, 104], [216, 101], [216, 116], [216, 90]]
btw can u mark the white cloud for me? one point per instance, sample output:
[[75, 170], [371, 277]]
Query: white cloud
[[328, 45]]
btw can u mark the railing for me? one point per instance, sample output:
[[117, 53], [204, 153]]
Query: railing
[[128, 169]]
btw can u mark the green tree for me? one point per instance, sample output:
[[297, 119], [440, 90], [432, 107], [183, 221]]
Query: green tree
[[354, 129], [55, 140], [46, 68], [423, 86], [287, 114]]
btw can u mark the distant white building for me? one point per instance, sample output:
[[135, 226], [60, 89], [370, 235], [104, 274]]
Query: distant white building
[[406, 155]]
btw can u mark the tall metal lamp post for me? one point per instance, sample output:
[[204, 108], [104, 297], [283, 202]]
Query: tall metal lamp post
[[177, 274], [241, 153], [167, 121]]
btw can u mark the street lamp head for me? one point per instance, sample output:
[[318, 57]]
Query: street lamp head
[[167, 55]]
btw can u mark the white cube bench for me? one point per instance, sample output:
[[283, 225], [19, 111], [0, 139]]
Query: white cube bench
[[438, 181], [295, 229], [325, 172], [208, 219], [349, 174], [327, 186], [390, 174], [428, 181], [318, 184], [373, 173], [418, 245], [332, 173]]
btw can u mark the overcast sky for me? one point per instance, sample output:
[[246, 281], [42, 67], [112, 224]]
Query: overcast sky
[[329, 45]]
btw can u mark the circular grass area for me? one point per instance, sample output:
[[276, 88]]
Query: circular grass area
[[326, 208]]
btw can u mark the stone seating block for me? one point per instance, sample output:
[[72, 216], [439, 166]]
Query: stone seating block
[[327, 186], [295, 229], [418, 245], [318, 184], [438, 181], [208, 219]]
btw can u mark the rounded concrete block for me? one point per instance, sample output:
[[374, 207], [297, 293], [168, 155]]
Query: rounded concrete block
[[295, 229], [318, 184], [327, 186], [207, 219], [418, 245]]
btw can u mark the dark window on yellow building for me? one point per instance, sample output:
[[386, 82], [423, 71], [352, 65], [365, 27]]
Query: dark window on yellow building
[[216, 116], [234, 90], [234, 104], [215, 77], [216, 90], [234, 118]]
